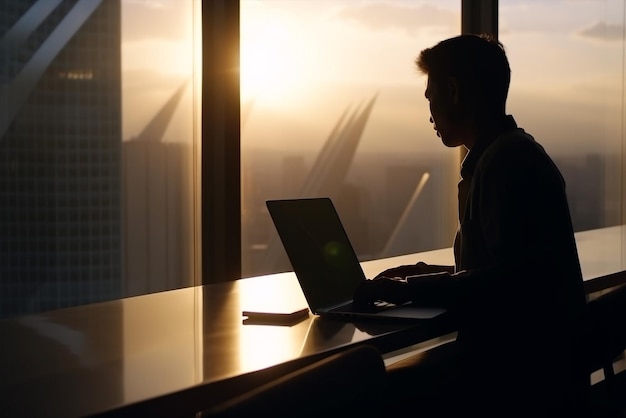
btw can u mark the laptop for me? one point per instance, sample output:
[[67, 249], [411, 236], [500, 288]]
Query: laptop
[[325, 263]]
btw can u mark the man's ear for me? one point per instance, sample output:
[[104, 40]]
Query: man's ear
[[452, 87]]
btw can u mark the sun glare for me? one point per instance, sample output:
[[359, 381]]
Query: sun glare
[[268, 69]]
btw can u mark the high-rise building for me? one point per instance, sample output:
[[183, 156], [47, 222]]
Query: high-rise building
[[60, 153], [157, 207]]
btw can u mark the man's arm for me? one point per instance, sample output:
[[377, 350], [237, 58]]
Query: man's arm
[[414, 270], [436, 289]]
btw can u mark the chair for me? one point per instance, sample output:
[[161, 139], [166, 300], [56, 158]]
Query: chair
[[349, 382], [605, 340]]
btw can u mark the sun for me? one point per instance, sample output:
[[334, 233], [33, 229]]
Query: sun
[[268, 70]]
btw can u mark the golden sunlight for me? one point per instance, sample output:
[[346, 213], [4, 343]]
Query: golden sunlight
[[268, 69]]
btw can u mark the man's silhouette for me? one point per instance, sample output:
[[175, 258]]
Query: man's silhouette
[[516, 290]]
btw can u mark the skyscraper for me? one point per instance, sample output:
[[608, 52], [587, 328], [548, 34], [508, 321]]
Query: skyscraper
[[60, 153], [157, 207]]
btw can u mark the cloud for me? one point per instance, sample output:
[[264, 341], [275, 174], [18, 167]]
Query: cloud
[[154, 4], [384, 16], [603, 31], [156, 19]]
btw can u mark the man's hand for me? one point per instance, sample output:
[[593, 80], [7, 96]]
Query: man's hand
[[414, 270], [385, 289]]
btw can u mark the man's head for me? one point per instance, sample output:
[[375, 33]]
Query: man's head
[[468, 84]]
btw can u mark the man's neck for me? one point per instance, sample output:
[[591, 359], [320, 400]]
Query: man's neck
[[485, 128]]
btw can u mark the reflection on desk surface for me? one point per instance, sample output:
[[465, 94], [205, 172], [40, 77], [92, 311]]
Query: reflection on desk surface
[[116, 353], [326, 333]]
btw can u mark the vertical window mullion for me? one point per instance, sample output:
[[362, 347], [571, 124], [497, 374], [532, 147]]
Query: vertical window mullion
[[220, 156]]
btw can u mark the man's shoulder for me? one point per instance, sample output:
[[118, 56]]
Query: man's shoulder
[[514, 140], [516, 155], [513, 147]]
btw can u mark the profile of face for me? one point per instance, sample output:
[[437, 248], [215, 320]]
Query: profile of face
[[444, 111]]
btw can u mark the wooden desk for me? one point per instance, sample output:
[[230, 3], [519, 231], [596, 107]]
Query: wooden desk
[[159, 354]]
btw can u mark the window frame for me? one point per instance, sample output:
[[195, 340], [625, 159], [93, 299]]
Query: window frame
[[220, 141]]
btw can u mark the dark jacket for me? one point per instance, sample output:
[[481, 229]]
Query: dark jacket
[[518, 295], [515, 241]]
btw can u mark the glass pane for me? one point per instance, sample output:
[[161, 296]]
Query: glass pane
[[567, 90], [96, 151], [332, 105]]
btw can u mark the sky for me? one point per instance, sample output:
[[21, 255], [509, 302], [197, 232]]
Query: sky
[[303, 63], [566, 59], [157, 58]]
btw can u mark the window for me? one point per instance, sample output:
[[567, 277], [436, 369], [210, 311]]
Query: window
[[114, 81], [567, 90], [309, 67], [114, 112], [332, 105]]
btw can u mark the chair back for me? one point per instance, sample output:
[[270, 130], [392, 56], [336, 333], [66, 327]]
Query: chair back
[[606, 329]]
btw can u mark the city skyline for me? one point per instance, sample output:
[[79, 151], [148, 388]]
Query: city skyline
[[382, 185]]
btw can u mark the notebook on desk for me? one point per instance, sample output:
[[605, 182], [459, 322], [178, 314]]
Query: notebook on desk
[[325, 262]]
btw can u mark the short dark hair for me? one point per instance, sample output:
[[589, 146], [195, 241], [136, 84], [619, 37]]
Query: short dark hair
[[479, 63]]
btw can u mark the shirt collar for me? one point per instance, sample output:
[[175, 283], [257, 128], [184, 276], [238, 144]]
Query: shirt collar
[[506, 123]]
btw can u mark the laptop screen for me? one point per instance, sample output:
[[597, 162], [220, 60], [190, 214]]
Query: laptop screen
[[318, 248]]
